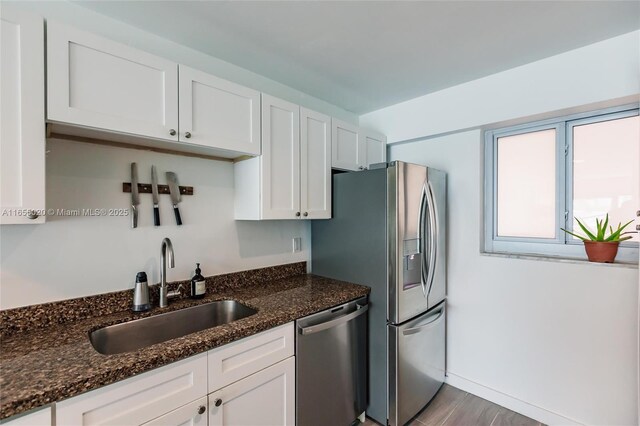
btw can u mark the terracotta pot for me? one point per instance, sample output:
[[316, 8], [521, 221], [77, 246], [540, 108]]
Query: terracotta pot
[[598, 251]]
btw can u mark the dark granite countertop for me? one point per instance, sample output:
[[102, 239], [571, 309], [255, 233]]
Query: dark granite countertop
[[57, 361]]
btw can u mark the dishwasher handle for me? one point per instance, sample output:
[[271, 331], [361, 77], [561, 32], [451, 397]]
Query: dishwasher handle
[[334, 322]]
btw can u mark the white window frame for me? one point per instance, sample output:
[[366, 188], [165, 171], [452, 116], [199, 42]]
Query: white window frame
[[562, 246]]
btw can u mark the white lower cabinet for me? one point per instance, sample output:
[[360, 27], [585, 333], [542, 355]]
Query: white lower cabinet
[[138, 399], [250, 382], [266, 398], [192, 414]]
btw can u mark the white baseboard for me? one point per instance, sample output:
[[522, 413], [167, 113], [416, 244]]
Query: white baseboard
[[514, 404]]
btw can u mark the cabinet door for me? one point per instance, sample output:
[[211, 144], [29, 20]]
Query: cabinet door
[[376, 144], [315, 165], [138, 399], [280, 160], [192, 414], [22, 132], [348, 150], [266, 398], [217, 113], [95, 82]]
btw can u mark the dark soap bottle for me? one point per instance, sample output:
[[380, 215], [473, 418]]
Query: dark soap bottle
[[198, 287]]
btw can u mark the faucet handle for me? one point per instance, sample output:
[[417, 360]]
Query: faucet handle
[[175, 293]]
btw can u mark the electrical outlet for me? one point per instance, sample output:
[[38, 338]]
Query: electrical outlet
[[297, 244]]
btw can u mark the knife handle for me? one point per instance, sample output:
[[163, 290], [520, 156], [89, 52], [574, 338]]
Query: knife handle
[[156, 215], [177, 213], [134, 216]]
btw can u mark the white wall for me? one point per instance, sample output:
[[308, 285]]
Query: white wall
[[556, 341], [76, 256], [559, 336], [596, 73]]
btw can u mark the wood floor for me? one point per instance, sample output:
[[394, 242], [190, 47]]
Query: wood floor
[[453, 407]]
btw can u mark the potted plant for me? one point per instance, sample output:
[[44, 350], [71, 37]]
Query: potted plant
[[599, 246]]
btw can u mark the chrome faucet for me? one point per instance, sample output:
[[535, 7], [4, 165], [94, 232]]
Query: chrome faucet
[[166, 251]]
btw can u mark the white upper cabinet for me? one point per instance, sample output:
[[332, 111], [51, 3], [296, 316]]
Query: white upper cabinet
[[22, 131], [376, 144], [217, 113], [98, 86], [280, 160], [315, 165], [98, 83], [292, 178], [355, 148], [348, 150]]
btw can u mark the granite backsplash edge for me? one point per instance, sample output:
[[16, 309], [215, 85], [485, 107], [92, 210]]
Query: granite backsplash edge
[[28, 318]]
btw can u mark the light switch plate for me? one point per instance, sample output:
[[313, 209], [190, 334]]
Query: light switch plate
[[297, 244]]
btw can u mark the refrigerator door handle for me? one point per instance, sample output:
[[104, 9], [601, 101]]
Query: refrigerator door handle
[[422, 236], [429, 324], [434, 229]]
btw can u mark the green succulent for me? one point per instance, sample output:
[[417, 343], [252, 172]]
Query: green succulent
[[601, 230]]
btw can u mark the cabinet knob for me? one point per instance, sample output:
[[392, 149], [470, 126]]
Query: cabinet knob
[[172, 132], [361, 168], [202, 409], [32, 215], [306, 214], [637, 227], [187, 135], [218, 402], [297, 214]]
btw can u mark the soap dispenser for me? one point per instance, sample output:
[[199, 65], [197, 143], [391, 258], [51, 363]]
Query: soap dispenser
[[141, 294], [198, 287]]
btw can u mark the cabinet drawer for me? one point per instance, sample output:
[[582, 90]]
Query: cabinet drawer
[[192, 414], [138, 399], [38, 418], [237, 360]]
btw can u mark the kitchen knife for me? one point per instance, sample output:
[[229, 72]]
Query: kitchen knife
[[135, 197], [174, 190], [154, 193]]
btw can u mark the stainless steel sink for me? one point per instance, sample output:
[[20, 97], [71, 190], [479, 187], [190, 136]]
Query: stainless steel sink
[[140, 333]]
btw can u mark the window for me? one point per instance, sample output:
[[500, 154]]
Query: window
[[539, 176]]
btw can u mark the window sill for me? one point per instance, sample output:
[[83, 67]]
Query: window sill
[[617, 264]]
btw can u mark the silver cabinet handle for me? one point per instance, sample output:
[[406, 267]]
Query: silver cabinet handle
[[217, 402], [340, 320], [172, 132], [32, 215], [202, 409], [414, 330], [187, 135]]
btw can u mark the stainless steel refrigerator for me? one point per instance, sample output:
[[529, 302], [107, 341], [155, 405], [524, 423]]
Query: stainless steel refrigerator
[[388, 231]]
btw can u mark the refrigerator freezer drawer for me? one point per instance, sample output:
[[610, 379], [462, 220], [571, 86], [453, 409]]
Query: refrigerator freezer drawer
[[416, 364]]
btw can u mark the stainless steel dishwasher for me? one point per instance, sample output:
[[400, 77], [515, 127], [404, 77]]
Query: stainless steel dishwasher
[[331, 365]]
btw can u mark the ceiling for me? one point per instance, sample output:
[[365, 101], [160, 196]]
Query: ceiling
[[362, 55]]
